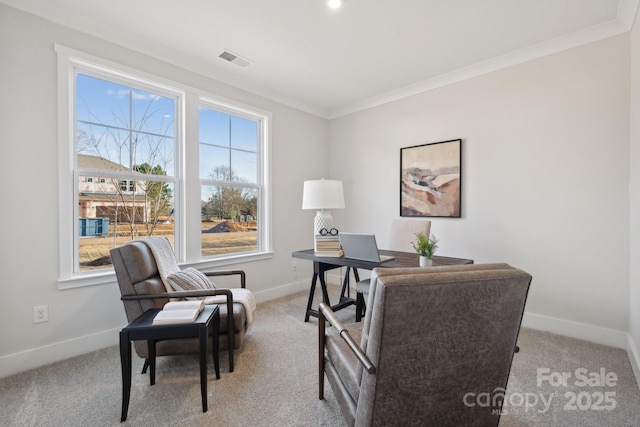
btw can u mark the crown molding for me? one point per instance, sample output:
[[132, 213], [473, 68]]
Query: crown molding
[[623, 23]]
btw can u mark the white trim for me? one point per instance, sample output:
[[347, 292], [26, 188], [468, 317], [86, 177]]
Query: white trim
[[69, 61], [627, 12], [263, 178], [622, 23], [29, 359], [591, 333], [634, 357], [571, 329], [579, 38], [40, 356]]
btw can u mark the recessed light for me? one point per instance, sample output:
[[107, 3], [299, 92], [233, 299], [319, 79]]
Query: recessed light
[[334, 4]]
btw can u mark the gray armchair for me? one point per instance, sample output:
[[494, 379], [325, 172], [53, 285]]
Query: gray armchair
[[432, 340], [142, 288]]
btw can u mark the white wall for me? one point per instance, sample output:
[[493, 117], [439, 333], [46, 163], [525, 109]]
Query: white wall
[[544, 178], [88, 318], [634, 202]]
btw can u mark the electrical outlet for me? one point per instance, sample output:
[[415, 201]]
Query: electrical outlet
[[41, 314]]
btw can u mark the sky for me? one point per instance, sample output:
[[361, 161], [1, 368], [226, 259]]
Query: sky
[[110, 115]]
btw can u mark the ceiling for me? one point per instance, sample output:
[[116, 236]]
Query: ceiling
[[334, 62]]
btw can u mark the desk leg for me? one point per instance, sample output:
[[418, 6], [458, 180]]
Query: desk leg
[[311, 293], [125, 360], [323, 286], [203, 365], [215, 344]]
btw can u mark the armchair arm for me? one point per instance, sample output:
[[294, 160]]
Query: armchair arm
[[176, 294], [229, 273], [325, 313]]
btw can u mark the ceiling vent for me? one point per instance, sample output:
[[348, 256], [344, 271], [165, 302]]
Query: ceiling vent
[[234, 58]]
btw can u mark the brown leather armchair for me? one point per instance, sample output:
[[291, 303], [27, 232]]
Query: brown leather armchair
[[142, 288], [432, 340]]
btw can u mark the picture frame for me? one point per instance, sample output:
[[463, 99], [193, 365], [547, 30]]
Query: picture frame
[[431, 180]]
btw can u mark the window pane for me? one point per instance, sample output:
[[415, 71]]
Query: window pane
[[103, 102], [152, 113], [245, 166], [214, 163], [114, 122], [121, 129], [244, 134], [104, 148], [229, 220], [113, 211], [153, 150], [214, 127]]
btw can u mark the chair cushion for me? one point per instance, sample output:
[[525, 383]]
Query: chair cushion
[[190, 279]]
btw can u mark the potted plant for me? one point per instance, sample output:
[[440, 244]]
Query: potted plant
[[425, 247]]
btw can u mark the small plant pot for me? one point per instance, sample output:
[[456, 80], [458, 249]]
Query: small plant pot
[[425, 262]]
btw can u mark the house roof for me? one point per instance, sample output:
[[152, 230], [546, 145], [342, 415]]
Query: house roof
[[94, 162]]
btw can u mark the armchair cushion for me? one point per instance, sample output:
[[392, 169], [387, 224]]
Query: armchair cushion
[[190, 279]]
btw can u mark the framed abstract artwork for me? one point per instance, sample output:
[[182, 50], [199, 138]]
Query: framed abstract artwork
[[430, 179]]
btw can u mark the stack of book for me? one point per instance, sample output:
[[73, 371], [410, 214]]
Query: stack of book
[[327, 246]]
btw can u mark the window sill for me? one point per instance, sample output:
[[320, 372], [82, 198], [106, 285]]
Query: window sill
[[88, 279], [109, 276], [230, 260]]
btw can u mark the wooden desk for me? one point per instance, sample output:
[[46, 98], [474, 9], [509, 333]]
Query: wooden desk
[[324, 264]]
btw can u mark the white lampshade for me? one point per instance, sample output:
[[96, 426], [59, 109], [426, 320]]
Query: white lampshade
[[323, 194]]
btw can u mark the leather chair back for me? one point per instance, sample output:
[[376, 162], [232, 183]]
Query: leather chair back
[[137, 274]]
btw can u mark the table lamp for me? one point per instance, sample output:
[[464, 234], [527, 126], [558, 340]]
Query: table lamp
[[321, 195]]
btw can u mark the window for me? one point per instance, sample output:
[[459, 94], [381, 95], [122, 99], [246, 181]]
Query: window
[[122, 174], [125, 134], [231, 184]]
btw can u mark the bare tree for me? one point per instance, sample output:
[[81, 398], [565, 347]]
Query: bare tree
[[118, 146]]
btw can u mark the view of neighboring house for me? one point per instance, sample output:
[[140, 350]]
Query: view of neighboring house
[[101, 197]]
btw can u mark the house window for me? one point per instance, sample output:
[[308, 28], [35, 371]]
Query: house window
[[231, 181], [127, 169], [127, 185]]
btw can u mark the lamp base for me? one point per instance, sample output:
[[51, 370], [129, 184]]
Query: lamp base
[[323, 219]]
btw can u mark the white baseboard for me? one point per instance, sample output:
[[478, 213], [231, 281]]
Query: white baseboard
[[281, 291], [22, 361], [581, 331], [634, 357], [29, 359], [33, 358]]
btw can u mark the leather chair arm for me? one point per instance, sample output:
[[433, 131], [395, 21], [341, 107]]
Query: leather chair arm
[[178, 294], [229, 273], [325, 312]]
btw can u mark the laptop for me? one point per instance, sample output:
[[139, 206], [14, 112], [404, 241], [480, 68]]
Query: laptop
[[362, 247]]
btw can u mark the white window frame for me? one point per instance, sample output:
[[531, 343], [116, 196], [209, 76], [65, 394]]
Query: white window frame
[[262, 119], [186, 184]]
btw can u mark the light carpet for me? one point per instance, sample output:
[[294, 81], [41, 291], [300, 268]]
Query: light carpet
[[275, 384]]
